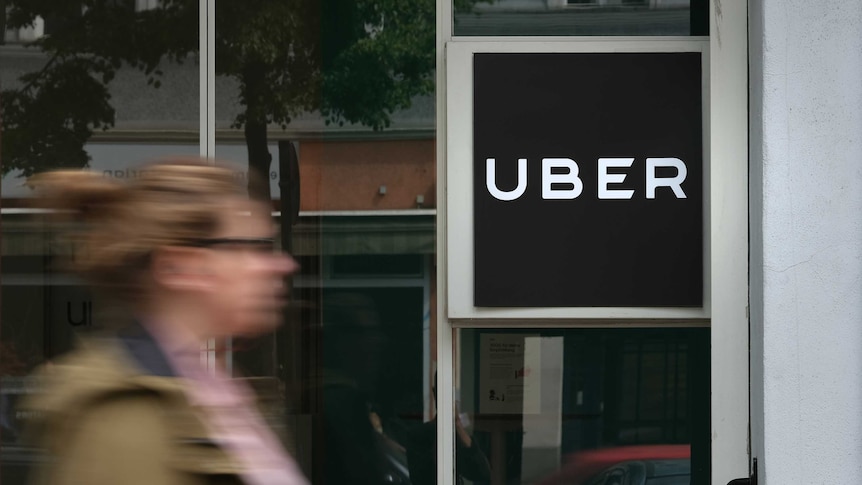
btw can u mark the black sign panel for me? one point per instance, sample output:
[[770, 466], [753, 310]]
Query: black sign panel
[[588, 179]]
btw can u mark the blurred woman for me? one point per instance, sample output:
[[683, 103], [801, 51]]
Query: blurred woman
[[189, 257]]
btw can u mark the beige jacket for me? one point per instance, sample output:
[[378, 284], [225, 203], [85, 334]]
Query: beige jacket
[[112, 413]]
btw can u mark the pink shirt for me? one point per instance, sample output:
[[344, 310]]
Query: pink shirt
[[231, 414]]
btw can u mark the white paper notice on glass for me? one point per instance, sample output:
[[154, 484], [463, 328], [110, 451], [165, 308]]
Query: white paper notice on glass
[[503, 368]]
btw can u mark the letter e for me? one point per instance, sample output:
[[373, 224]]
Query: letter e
[[606, 178]]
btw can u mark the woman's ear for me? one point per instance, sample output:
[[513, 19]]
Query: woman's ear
[[180, 268]]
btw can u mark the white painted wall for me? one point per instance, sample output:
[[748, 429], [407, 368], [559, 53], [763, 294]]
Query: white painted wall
[[806, 240]]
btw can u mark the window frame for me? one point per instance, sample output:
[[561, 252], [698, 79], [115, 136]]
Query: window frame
[[725, 308]]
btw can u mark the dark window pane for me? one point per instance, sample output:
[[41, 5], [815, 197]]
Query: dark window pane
[[581, 17], [333, 104], [568, 405], [124, 90]]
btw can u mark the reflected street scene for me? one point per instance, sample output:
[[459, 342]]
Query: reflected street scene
[[282, 293], [587, 406], [324, 112]]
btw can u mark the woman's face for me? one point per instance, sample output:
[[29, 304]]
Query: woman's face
[[246, 291]]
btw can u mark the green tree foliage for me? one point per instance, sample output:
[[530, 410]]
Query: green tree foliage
[[49, 117], [356, 61]]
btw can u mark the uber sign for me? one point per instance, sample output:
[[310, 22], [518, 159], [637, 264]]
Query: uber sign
[[588, 179]]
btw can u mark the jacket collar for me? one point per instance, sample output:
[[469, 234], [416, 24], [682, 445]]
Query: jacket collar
[[144, 351]]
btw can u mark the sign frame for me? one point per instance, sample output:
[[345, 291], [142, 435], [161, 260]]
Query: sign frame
[[459, 179]]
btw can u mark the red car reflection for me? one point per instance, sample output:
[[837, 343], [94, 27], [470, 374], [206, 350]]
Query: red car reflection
[[583, 465]]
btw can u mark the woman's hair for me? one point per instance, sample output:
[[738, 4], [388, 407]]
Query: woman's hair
[[118, 224]]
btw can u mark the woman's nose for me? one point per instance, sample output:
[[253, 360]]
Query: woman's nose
[[285, 264]]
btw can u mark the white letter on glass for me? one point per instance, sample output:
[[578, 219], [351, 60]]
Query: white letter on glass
[[674, 183], [491, 180], [606, 178], [570, 178]]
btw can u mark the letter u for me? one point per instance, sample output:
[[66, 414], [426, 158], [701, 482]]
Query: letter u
[[85, 315], [491, 180]]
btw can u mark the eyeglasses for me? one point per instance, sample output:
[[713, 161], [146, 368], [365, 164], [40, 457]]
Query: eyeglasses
[[250, 244]]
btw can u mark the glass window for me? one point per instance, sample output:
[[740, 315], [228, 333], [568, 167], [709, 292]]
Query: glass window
[[581, 17], [334, 108], [573, 406], [102, 87]]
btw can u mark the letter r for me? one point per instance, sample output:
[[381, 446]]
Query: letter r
[[675, 183]]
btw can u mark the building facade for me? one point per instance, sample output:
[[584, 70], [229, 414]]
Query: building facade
[[598, 241]]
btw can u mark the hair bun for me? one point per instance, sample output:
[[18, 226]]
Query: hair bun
[[85, 194]]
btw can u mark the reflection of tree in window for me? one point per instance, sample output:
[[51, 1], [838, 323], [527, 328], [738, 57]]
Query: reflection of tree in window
[[354, 61]]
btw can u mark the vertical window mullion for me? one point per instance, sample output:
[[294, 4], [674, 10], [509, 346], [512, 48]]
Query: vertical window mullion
[[210, 78], [206, 125], [206, 47], [445, 405], [445, 350]]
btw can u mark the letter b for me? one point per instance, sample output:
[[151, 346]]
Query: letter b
[[571, 178]]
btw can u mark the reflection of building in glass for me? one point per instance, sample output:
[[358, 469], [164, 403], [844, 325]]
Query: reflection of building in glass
[[583, 389], [365, 224]]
